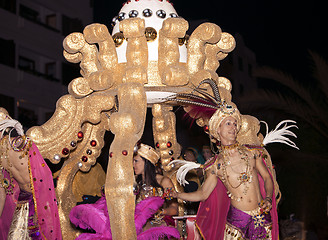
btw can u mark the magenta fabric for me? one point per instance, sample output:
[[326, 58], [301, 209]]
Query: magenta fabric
[[245, 223], [8, 210], [44, 195], [212, 213]]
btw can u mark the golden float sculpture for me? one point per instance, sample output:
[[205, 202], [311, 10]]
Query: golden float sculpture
[[113, 94]]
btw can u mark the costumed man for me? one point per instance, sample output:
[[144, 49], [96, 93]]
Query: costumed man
[[238, 192], [27, 184]]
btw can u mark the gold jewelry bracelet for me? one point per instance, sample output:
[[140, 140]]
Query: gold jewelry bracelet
[[269, 199]]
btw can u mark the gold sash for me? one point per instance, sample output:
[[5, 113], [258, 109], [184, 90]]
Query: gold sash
[[19, 224]]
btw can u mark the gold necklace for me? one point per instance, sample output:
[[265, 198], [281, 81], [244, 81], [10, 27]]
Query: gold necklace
[[229, 147], [243, 178]]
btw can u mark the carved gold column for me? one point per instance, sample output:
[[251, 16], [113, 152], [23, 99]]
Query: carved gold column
[[127, 125], [164, 130]]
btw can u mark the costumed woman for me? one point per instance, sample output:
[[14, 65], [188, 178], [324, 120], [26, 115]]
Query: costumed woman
[[154, 204], [27, 195]]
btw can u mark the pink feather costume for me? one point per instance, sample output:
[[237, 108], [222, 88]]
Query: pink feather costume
[[95, 216]]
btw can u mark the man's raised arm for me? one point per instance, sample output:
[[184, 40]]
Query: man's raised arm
[[202, 193]]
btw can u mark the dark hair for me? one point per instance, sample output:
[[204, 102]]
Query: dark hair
[[193, 151], [150, 175]]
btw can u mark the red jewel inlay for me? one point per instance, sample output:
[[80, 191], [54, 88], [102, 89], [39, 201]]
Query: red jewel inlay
[[84, 159], [157, 145], [169, 144], [124, 152], [65, 151], [206, 128], [93, 143], [111, 154], [80, 134]]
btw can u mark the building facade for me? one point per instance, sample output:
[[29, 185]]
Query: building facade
[[239, 67], [33, 71]]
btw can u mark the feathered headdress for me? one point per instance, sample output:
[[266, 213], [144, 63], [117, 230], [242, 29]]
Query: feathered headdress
[[214, 109], [201, 105]]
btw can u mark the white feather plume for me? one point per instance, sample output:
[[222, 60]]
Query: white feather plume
[[11, 123], [185, 167], [280, 135]]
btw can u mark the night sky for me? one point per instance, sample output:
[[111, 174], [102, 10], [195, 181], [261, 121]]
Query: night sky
[[279, 32]]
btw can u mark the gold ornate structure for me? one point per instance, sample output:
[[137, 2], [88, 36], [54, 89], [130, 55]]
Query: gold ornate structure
[[113, 96]]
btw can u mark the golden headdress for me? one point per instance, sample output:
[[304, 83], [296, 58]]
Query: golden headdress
[[227, 110], [148, 153]]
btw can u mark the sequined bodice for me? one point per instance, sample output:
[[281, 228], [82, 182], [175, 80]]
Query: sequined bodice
[[148, 191]]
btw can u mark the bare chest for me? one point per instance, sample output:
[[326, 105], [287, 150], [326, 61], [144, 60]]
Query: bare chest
[[237, 172]]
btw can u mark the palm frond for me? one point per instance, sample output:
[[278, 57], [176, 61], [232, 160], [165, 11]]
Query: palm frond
[[276, 101], [288, 81], [320, 72]]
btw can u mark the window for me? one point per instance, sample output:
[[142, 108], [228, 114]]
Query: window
[[241, 89], [70, 25], [28, 13], [250, 70], [26, 64], [50, 69], [7, 52], [240, 64], [27, 117], [92, 3], [230, 58], [9, 5], [8, 103], [51, 20]]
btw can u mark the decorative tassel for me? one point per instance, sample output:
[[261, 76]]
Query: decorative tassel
[[185, 167], [277, 135], [11, 123]]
